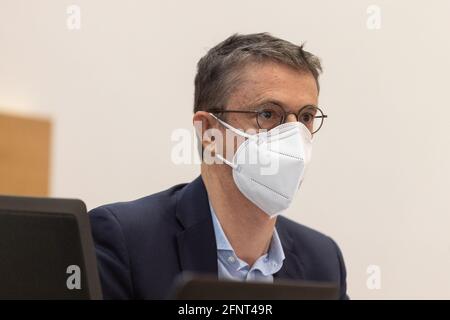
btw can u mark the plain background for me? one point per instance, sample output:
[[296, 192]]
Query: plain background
[[118, 87]]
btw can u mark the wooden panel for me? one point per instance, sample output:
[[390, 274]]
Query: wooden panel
[[24, 155]]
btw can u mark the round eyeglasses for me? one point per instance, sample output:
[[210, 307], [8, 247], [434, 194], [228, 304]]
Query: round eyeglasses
[[268, 116]]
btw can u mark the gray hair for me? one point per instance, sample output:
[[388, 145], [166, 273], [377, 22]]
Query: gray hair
[[217, 74]]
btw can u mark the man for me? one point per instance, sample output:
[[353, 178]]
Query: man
[[229, 221]]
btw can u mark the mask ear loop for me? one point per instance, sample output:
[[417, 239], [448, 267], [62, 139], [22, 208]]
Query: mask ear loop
[[233, 129], [236, 131]]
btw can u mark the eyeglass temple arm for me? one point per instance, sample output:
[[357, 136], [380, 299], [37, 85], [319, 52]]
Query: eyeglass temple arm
[[237, 111]]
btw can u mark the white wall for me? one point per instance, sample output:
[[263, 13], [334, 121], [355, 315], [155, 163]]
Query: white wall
[[118, 87]]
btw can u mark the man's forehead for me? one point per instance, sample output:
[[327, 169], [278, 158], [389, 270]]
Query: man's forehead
[[277, 82]]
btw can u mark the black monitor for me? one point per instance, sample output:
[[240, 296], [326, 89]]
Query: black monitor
[[46, 250], [205, 287]]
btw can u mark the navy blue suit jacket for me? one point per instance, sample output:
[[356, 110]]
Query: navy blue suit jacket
[[143, 245]]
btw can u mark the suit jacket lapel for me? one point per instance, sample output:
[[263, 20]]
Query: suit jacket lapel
[[292, 266], [196, 242]]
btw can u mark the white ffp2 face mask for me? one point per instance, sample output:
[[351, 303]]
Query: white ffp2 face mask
[[268, 167]]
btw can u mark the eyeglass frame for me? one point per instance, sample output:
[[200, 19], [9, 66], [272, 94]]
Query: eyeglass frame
[[283, 119]]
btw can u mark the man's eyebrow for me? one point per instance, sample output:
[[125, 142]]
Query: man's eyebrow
[[263, 101]]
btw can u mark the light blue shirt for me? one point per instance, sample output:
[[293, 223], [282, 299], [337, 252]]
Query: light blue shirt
[[232, 268]]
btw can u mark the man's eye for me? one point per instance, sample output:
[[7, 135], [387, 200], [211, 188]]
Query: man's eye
[[307, 118], [266, 114]]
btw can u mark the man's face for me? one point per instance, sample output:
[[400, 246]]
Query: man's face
[[263, 86]]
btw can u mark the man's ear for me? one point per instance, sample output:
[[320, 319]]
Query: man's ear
[[203, 122]]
